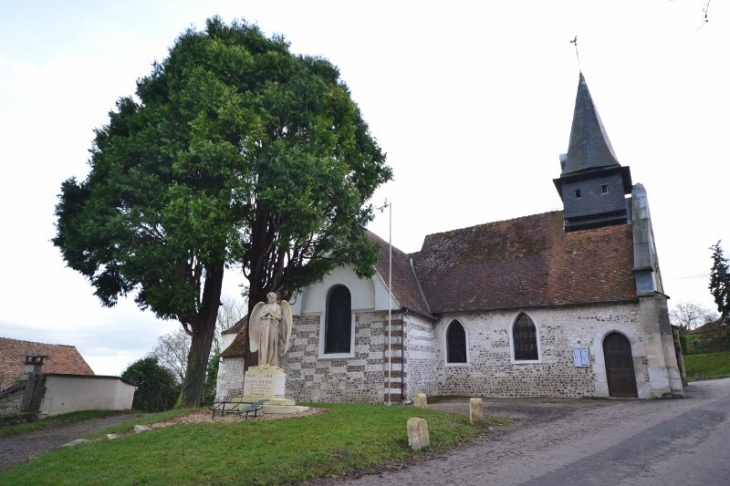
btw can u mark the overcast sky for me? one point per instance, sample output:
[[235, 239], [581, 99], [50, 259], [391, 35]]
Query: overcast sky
[[472, 101]]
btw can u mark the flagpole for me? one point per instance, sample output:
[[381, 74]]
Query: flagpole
[[390, 298]]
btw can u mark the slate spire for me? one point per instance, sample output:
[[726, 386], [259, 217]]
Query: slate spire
[[592, 184], [589, 146]]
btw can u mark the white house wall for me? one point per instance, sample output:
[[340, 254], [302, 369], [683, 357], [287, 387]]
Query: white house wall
[[72, 393]]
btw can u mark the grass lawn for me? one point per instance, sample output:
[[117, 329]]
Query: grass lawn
[[710, 365], [348, 437]]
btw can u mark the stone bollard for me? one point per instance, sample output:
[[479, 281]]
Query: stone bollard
[[475, 411], [418, 434], [419, 400]]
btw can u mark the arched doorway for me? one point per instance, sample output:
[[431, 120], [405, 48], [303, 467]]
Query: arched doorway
[[619, 366]]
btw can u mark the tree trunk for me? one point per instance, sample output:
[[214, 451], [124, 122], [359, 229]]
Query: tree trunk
[[202, 338]]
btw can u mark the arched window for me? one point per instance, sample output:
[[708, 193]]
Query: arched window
[[338, 324], [455, 343], [524, 338]]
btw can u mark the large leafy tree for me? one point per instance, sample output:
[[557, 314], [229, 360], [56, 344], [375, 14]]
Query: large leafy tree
[[690, 315], [234, 151]]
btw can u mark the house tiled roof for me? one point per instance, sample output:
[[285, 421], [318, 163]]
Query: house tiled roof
[[714, 326], [61, 359], [525, 262], [406, 289]]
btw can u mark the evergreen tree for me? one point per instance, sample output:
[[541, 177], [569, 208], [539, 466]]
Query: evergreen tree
[[720, 282], [234, 152]]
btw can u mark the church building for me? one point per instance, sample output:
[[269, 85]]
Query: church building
[[560, 304]]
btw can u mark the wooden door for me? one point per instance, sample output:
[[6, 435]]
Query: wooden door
[[619, 366]]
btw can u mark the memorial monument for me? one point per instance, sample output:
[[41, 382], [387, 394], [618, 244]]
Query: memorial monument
[[270, 326]]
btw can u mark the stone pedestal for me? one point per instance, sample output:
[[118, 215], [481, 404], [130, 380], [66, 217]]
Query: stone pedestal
[[419, 400], [268, 382]]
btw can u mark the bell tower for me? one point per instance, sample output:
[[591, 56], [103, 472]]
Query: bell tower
[[592, 184]]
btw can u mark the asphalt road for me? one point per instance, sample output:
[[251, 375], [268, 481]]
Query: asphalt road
[[619, 443]]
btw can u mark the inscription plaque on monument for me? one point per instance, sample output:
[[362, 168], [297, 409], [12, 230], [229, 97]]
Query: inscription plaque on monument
[[266, 383]]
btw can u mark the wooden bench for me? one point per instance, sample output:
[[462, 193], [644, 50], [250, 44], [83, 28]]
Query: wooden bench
[[237, 407]]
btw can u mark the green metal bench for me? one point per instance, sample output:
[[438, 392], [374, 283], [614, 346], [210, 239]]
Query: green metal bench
[[252, 407], [241, 408]]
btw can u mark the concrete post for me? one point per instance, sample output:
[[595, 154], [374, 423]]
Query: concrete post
[[419, 400], [475, 411], [417, 429]]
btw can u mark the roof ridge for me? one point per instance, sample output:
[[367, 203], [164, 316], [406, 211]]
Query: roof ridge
[[490, 223]]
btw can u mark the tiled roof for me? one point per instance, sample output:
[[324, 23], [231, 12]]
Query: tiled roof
[[714, 326], [405, 286], [61, 359], [236, 327], [525, 262]]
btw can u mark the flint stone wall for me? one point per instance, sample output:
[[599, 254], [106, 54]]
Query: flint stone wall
[[12, 402], [356, 379], [230, 379], [421, 358], [491, 371]]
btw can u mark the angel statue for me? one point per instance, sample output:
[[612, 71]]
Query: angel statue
[[270, 330]]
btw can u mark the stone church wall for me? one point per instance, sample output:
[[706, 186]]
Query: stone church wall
[[419, 361], [491, 371], [356, 379], [230, 379], [420, 356]]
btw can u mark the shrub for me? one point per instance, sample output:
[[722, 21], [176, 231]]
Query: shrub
[[157, 389]]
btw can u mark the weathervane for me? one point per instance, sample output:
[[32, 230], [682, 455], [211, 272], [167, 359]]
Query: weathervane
[[575, 43]]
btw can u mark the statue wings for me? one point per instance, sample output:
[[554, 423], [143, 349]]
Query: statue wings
[[285, 329], [254, 326]]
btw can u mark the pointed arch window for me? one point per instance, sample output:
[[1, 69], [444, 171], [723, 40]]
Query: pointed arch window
[[524, 339], [338, 323], [455, 343]]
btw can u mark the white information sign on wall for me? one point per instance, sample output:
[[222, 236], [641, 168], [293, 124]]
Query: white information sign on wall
[[580, 357]]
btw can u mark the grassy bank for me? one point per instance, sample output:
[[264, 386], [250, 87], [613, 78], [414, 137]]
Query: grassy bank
[[347, 438], [709, 365]]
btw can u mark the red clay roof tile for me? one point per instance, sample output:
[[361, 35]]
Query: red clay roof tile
[[61, 359]]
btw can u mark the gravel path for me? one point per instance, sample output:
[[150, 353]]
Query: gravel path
[[586, 442], [19, 448]]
